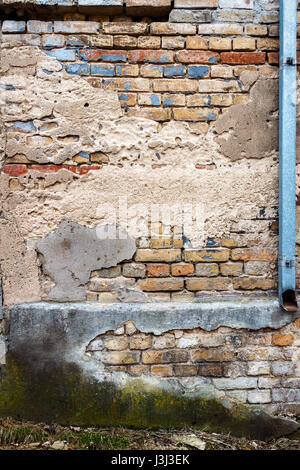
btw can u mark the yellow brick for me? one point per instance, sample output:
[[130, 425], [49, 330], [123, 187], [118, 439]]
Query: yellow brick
[[127, 70], [167, 256], [128, 99], [203, 284], [174, 100], [207, 269], [196, 42], [175, 85], [125, 42], [220, 44], [256, 30], [145, 99], [160, 284], [205, 256], [229, 243], [125, 28], [140, 342], [213, 355], [195, 114], [162, 371], [118, 343], [149, 42], [231, 269], [266, 44], [244, 44], [253, 254], [157, 114], [240, 99], [152, 71], [121, 357], [160, 242], [126, 84], [279, 339], [165, 357], [251, 283], [221, 71], [172, 28], [209, 100], [218, 86]]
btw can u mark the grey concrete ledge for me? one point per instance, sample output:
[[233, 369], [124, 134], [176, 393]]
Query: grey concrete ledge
[[252, 313]]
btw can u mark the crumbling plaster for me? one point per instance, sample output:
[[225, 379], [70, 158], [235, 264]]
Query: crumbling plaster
[[145, 161]]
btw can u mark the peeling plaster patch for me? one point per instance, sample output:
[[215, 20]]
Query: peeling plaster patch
[[73, 251], [252, 127]]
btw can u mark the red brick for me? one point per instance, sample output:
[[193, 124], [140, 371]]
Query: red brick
[[84, 169], [240, 58], [198, 57], [53, 168], [158, 270], [15, 170], [151, 56], [273, 58]]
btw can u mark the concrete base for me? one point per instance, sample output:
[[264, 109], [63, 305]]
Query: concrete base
[[50, 377]]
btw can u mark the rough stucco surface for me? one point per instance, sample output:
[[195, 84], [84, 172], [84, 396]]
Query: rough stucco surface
[[147, 162]]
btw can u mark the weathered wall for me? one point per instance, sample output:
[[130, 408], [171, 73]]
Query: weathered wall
[[179, 106]]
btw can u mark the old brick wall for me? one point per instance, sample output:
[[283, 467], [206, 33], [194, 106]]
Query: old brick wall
[[159, 102]]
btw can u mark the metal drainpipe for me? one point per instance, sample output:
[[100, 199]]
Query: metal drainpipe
[[287, 155]]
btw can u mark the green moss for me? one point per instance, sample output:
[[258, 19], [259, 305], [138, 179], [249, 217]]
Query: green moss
[[60, 393]]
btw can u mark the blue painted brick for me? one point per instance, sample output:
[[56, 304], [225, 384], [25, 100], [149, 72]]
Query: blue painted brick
[[77, 69], [35, 26], [155, 100], [62, 54], [10, 26], [174, 71], [102, 69], [198, 71], [53, 40]]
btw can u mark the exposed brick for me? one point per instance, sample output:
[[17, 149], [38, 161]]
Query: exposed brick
[[149, 42], [140, 341], [116, 343], [220, 44], [195, 3], [175, 85], [125, 28], [251, 283], [246, 4], [173, 42], [239, 16], [11, 26], [151, 71], [151, 56], [273, 58], [185, 370], [175, 100], [164, 29], [196, 42], [53, 40], [164, 341], [215, 283], [237, 383], [210, 370], [198, 57], [95, 55], [160, 242], [125, 42], [35, 26], [182, 269], [134, 270], [198, 71], [189, 16], [218, 86], [256, 30], [239, 58], [156, 285], [267, 44], [126, 84], [231, 269], [207, 269], [244, 44], [17, 40], [162, 371], [221, 28], [221, 71], [253, 254], [213, 355], [165, 357], [258, 368], [259, 396], [14, 170], [127, 70], [195, 114], [100, 40], [103, 70], [121, 357], [158, 270], [138, 370], [205, 256], [75, 27], [157, 114], [279, 339]]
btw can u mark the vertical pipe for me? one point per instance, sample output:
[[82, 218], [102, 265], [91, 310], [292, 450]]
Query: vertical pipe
[[287, 155]]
